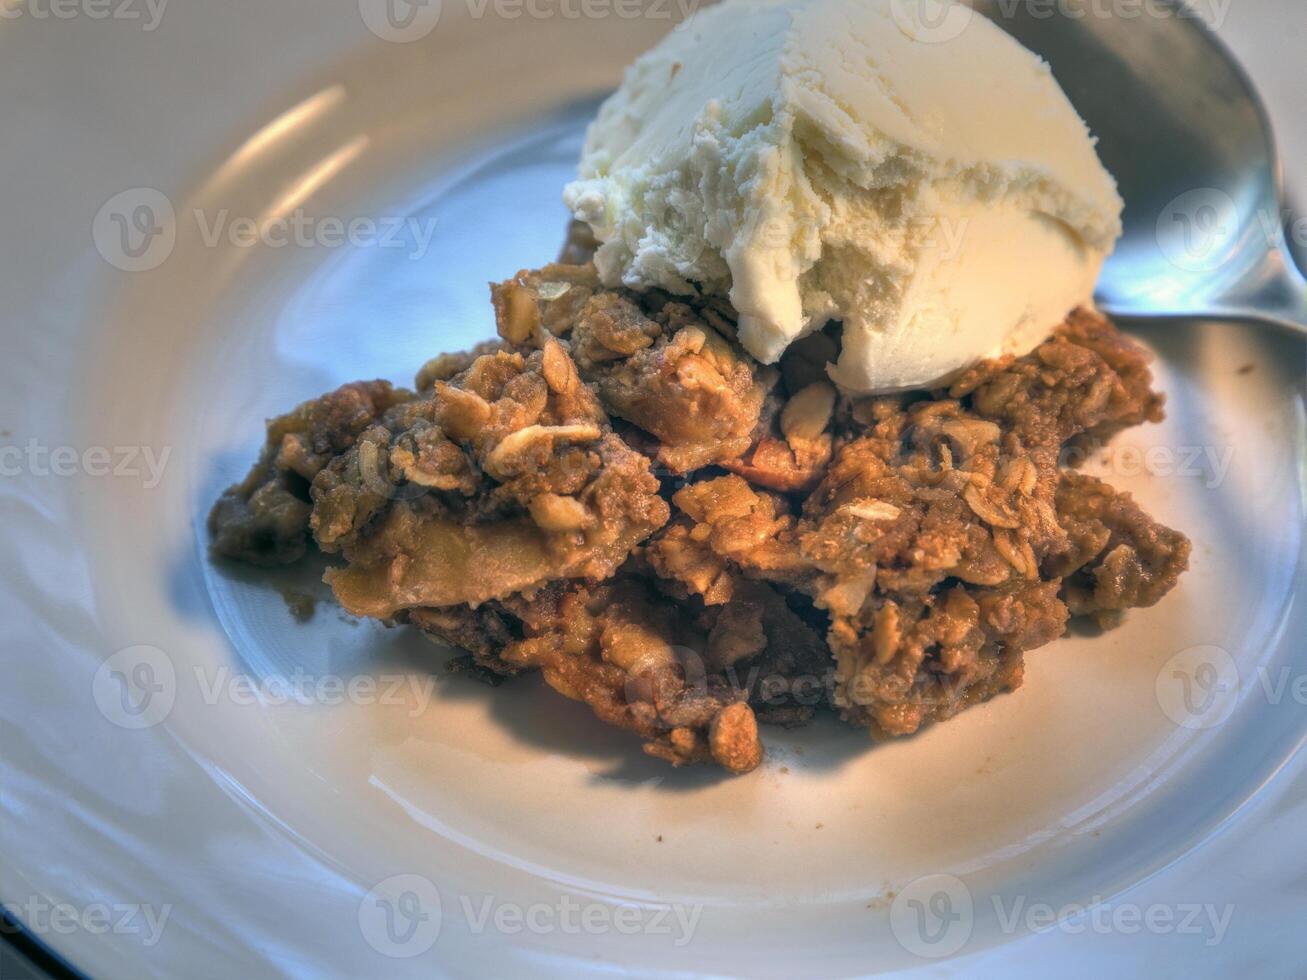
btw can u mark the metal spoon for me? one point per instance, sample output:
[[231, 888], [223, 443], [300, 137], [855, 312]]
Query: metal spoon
[[1188, 139]]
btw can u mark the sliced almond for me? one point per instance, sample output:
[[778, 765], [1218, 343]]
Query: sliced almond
[[887, 633], [873, 510], [461, 413], [1016, 551], [519, 312], [971, 435], [550, 291], [559, 514], [987, 510], [807, 414], [560, 373], [512, 453]]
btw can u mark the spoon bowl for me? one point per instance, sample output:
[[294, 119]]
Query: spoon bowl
[[1183, 130]]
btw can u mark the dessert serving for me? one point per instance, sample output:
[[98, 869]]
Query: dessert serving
[[786, 428]]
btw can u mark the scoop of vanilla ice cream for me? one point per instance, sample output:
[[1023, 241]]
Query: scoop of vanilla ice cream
[[932, 188]]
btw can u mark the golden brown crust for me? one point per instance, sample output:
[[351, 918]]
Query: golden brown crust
[[891, 557], [505, 478], [940, 535], [264, 519], [663, 364], [687, 679]]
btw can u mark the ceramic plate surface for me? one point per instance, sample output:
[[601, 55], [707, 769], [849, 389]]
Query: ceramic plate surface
[[259, 204]]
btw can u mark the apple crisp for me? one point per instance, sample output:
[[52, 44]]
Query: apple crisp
[[615, 495]]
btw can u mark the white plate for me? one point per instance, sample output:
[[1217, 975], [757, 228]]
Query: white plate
[[272, 834]]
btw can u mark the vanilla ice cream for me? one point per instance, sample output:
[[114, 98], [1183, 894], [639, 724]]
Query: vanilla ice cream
[[924, 181]]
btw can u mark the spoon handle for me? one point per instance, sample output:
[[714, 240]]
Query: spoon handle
[[1275, 293]]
